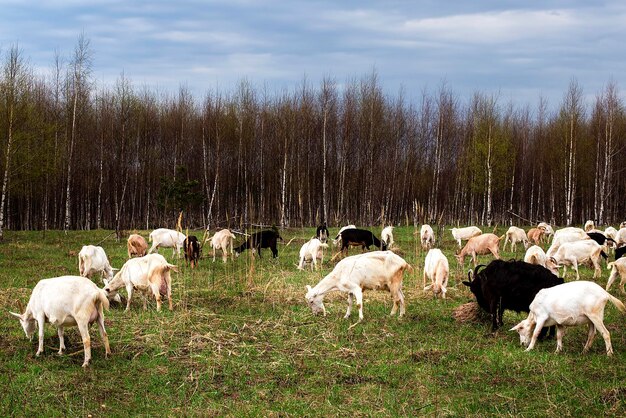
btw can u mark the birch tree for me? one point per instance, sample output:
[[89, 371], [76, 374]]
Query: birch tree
[[80, 69], [13, 90]]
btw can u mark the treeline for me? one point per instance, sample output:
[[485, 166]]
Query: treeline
[[79, 155]]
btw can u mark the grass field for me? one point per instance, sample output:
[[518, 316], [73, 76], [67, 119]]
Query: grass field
[[242, 342]]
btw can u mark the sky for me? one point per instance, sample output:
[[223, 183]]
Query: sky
[[518, 50]]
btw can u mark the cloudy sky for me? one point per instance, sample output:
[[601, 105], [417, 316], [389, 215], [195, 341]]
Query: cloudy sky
[[521, 50]]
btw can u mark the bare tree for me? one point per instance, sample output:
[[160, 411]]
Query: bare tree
[[80, 68]]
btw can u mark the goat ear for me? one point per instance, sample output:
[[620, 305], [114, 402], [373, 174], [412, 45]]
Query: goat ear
[[466, 283], [516, 327], [308, 288], [18, 316]]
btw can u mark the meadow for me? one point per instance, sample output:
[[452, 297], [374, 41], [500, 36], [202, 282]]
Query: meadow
[[241, 341]]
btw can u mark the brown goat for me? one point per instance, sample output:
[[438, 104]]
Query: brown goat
[[479, 245], [136, 245]]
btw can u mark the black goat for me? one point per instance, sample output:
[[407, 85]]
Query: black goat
[[355, 237], [508, 285], [262, 239], [322, 232], [599, 237], [192, 250]]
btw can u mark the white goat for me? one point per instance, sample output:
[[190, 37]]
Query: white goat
[[536, 255], [150, 273], [166, 238], [64, 302], [93, 259], [568, 304], [513, 236], [437, 269], [618, 268], [579, 252], [352, 275], [463, 234], [427, 237], [310, 252], [337, 240], [387, 236], [569, 234], [222, 240], [589, 226]]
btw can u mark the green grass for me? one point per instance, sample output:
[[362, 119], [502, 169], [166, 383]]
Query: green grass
[[242, 342]]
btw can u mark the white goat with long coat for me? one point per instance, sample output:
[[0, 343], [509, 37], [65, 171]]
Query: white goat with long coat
[[150, 273], [64, 302], [352, 275], [564, 305], [310, 252], [437, 269], [223, 240]]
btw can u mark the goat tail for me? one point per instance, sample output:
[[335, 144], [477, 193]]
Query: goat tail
[[173, 267], [603, 254], [618, 303], [500, 237], [609, 266], [102, 298]]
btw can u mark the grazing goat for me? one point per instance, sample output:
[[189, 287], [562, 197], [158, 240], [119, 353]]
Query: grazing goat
[[222, 240], [64, 302], [618, 268], [322, 232], [566, 305], [579, 252], [136, 245], [610, 232], [547, 227], [387, 236], [569, 234], [360, 237], [337, 240], [192, 250], [463, 234], [508, 285], [427, 237], [536, 255], [150, 273], [352, 275], [167, 238], [310, 252], [93, 259], [513, 236], [589, 226], [261, 239], [436, 269], [535, 235], [479, 245]]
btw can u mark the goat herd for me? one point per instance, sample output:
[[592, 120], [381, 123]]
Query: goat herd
[[532, 285]]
